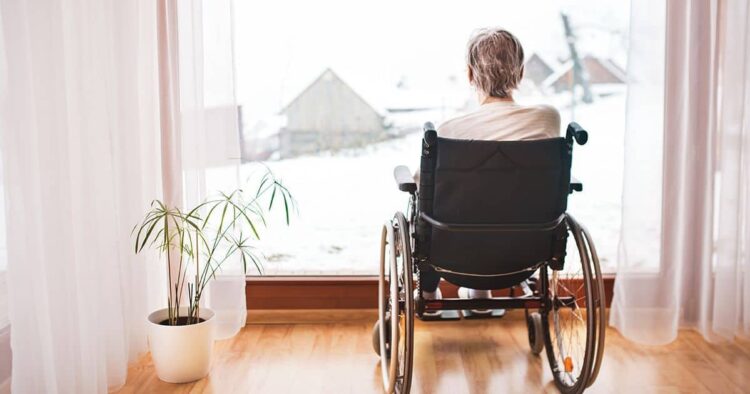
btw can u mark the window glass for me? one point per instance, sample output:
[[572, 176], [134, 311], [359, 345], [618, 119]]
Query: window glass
[[332, 96]]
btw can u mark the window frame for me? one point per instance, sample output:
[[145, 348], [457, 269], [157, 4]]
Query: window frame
[[335, 292]]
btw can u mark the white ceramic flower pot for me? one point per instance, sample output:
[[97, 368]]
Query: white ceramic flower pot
[[181, 353]]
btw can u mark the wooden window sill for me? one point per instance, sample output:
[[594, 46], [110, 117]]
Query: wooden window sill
[[333, 292]]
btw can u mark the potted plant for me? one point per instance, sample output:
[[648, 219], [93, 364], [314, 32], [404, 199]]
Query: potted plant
[[196, 243]]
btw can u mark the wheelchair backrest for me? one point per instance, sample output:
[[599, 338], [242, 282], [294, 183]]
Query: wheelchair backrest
[[502, 183]]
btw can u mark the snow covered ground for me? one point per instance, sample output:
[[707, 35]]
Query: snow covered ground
[[344, 198]]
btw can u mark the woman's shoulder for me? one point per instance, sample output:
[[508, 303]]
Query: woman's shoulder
[[449, 127], [546, 117], [544, 109], [543, 118], [455, 119], [545, 112]]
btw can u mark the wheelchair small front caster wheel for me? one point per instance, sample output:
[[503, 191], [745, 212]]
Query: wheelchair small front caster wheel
[[536, 336], [376, 337]]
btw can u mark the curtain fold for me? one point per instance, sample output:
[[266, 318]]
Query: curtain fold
[[694, 273], [638, 304], [209, 134], [731, 303]]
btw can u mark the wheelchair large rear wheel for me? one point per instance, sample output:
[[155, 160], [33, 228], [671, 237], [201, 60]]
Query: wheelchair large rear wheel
[[395, 327], [600, 304], [574, 333]]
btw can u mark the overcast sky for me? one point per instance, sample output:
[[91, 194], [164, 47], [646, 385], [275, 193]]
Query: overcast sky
[[282, 45]]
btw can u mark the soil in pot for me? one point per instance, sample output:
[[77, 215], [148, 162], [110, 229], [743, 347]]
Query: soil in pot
[[182, 321]]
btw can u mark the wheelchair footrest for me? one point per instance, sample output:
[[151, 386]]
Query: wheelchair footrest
[[491, 314], [443, 315]]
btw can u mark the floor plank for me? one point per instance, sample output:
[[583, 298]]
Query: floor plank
[[330, 352]]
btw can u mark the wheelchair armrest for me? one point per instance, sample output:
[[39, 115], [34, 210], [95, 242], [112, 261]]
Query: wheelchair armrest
[[404, 179], [575, 185]]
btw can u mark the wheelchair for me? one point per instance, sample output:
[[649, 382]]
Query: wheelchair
[[492, 215]]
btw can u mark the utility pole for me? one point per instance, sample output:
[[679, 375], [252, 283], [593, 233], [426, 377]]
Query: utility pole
[[580, 75]]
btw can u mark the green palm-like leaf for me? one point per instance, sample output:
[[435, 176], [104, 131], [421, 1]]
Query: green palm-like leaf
[[206, 240]]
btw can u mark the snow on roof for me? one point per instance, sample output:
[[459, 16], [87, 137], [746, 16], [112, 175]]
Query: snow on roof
[[329, 73], [549, 60], [608, 64], [385, 99], [615, 69], [559, 72]]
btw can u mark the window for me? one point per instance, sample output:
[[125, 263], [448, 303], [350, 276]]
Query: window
[[332, 96]]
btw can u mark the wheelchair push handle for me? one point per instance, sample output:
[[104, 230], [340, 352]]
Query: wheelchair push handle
[[575, 131]]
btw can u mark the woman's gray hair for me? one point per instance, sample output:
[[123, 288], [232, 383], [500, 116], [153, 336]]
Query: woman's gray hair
[[495, 58]]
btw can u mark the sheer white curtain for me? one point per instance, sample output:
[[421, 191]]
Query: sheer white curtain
[[83, 152], [5, 354], [637, 290], [731, 304], [683, 259], [209, 130], [80, 159]]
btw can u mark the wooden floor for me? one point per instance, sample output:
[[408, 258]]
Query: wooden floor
[[330, 352]]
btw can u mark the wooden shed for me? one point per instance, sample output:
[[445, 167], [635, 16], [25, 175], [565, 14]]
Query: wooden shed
[[328, 115], [601, 71]]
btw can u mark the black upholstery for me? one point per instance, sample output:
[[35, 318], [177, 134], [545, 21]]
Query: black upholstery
[[492, 183]]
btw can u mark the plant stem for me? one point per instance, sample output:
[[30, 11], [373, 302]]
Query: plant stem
[[167, 245], [197, 273]]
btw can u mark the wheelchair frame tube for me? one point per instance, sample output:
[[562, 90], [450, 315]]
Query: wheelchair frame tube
[[493, 303], [548, 226]]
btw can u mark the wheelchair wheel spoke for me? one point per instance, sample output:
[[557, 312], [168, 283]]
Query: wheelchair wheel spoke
[[578, 315], [572, 329]]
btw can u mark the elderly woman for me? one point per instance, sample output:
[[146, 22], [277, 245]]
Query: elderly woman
[[495, 68]]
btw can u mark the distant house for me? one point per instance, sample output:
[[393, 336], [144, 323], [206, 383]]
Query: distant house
[[601, 72], [328, 114], [537, 70]]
